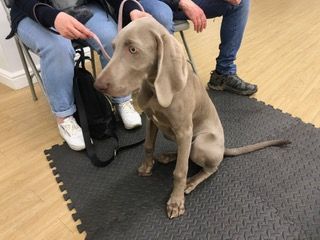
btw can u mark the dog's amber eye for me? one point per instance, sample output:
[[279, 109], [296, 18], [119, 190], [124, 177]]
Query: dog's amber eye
[[132, 50]]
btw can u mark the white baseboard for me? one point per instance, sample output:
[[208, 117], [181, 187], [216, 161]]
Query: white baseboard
[[15, 80]]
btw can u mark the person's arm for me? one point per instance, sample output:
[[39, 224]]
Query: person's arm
[[127, 8], [48, 16], [191, 10], [44, 14], [234, 2], [194, 13], [131, 10], [174, 4], [71, 28]]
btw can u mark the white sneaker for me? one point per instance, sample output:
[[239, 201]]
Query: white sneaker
[[71, 132], [130, 117]]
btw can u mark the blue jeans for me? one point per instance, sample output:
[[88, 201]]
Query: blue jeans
[[232, 28], [160, 11], [57, 57]]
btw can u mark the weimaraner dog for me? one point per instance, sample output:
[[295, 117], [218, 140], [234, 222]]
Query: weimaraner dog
[[148, 58]]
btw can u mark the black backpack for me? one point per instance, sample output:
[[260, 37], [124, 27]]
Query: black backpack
[[95, 113], [98, 108]]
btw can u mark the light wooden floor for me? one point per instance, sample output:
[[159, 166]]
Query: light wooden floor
[[280, 53]]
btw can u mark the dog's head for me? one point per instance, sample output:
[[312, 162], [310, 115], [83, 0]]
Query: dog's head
[[145, 51]]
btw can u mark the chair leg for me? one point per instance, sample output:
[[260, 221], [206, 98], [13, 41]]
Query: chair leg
[[25, 67], [33, 67], [188, 51]]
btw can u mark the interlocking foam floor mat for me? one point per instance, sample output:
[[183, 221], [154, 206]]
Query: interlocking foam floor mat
[[269, 194]]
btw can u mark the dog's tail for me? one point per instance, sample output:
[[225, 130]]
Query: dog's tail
[[254, 147]]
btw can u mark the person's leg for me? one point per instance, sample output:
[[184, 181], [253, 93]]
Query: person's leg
[[232, 29], [56, 62], [231, 34], [160, 11], [106, 29], [57, 68]]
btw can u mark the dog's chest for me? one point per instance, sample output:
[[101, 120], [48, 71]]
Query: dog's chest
[[157, 117], [161, 121]]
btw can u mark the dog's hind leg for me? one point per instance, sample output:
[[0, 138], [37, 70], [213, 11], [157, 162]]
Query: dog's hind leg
[[198, 178], [207, 153]]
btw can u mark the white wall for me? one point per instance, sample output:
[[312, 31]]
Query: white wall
[[11, 70]]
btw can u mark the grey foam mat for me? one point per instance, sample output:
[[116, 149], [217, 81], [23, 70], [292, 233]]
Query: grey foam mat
[[269, 194]]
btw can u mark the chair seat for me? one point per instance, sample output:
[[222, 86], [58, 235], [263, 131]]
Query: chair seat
[[181, 25]]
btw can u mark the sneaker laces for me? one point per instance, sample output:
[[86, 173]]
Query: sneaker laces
[[70, 126]]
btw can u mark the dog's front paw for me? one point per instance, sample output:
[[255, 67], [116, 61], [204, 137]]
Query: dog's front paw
[[175, 207], [145, 169]]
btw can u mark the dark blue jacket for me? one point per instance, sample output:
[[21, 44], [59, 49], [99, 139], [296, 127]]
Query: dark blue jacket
[[46, 15]]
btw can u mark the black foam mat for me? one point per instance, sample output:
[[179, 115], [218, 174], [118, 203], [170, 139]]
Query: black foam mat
[[269, 194]]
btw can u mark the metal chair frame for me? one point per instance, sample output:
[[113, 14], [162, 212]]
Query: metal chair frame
[[27, 61], [180, 26]]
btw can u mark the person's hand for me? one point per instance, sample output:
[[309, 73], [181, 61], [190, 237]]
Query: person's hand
[[71, 28], [135, 14], [194, 13], [234, 2]]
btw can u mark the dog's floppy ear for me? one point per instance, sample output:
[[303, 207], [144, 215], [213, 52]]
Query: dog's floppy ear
[[172, 69]]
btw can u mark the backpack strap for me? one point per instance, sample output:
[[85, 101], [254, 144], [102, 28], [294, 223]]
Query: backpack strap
[[90, 149], [91, 153]]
